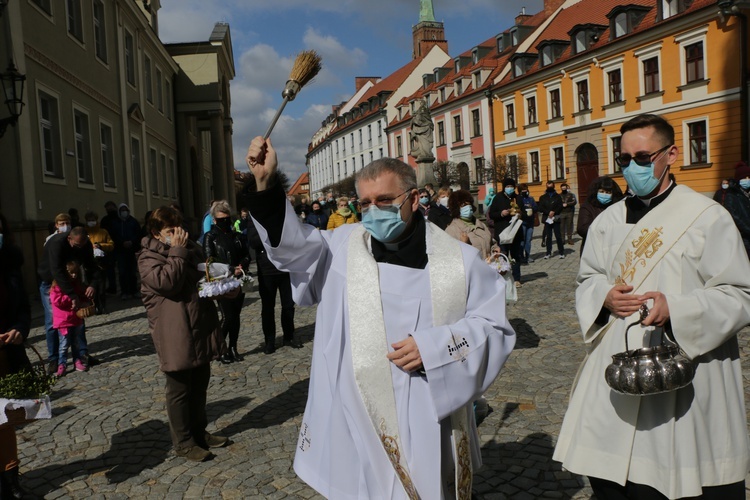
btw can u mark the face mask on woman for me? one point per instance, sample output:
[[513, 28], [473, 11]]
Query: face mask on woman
[[725, 186], [745, 183], [604, 198], [91, 223], [444, 201], [424, 200], [510, 190], [467, 211]]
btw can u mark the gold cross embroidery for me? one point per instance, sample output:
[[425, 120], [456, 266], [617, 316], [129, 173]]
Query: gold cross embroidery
[[645, 247]]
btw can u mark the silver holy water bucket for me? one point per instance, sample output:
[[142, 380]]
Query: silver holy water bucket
[[649, 370]]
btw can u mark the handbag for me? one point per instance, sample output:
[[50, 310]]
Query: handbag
[[509, 233]]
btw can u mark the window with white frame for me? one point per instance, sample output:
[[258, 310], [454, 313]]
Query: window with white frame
[[135, 163], [147, 82], [531, 118], [694, 62], [697, 141], [100, 31], [129, 58], [153, 168], [476, 123], [615, 147], [108, 156], [159, 91], [554, 103], [49, 131], [510, 117], [651, 75], [82, 136], [558, 155], [479, 170], [534, 166], [399, 150], [614, 85], [75, 19], [582, 89], [441, 133], [457, 135]]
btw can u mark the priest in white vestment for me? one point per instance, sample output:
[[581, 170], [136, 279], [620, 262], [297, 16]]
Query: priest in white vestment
[[410, 330], [678, 252]]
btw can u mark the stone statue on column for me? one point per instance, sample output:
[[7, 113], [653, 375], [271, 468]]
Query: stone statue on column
[[421, 134]]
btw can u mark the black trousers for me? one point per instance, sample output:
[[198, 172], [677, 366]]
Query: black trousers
[[268, 285], [186, 405], [609, 490], [230, 311], [548, 237]]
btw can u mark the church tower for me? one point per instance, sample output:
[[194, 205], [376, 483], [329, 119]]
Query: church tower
[[427, 32]]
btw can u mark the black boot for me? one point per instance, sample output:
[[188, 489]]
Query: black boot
[[9, 486], [235, 353], [270, 346], [227, 358]]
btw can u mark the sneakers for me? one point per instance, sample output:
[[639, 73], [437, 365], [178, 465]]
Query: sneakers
[[518, 284], [60, 370], [547, 256], [214, 441], [529, 260], [81, 366], [562, 255], [193, 453]]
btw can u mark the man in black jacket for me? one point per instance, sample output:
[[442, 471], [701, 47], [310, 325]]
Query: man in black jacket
[[550, 206], [59, 250]]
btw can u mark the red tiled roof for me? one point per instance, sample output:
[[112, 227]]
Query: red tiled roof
[[595, 12], [392, 81], [301, 180]]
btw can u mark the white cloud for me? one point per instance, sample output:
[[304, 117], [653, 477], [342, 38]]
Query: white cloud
[[333, 51]]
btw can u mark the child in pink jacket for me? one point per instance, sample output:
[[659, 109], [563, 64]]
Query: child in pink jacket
[[67, 322]]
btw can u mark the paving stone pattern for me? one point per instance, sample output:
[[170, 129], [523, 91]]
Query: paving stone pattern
[[109, 436]]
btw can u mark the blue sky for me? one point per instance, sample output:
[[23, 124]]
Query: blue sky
[[354, 38]]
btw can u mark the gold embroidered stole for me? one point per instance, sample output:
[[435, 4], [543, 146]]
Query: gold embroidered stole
[[653, 237], [369, 345]]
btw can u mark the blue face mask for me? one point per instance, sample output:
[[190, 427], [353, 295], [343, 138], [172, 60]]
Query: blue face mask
[[640, 179], [424, 200], [604, 198], [467, 212], [384, 224], [745, 183], [510, 190]]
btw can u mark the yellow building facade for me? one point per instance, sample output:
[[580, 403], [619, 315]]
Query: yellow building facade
[[559, 109]]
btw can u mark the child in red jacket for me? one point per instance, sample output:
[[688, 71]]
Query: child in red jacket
[[69, 325]]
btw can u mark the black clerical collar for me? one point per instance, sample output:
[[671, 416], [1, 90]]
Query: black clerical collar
[[411, 252], [637, 208]]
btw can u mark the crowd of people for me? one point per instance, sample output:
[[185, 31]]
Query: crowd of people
[[411, 324]]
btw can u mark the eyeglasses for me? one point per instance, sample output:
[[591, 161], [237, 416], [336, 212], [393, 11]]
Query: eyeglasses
[[383, 202], [642, 158]]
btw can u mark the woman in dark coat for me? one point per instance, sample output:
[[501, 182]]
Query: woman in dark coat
[[224, 245], [15, 321], [603, 193], [184, 328]]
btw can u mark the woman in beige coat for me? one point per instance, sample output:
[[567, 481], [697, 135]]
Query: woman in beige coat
[[465, 226], [185, 329]]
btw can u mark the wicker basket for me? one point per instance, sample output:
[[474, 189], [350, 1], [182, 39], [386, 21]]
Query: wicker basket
[[86, 311]]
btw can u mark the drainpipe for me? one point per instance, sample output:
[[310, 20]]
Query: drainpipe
[[488, 95]]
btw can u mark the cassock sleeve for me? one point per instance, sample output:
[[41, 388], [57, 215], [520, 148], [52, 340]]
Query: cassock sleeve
[[463, 359], [300, 249], [706, 317], [592, 284]]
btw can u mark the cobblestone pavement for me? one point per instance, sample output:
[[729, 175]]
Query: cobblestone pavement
[[109, 437]]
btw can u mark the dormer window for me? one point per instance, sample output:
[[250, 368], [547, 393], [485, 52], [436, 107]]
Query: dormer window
[[477, 79], [503, 41], [514, 39], [474, 56], [624, 19], [671, 8], [522, 63], [583, 36], [459, 86], [550, 51], [442, 94]]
